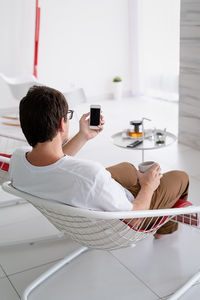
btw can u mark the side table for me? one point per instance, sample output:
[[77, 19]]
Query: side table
[[120, 139]]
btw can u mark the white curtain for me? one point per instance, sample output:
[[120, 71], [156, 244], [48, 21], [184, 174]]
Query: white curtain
[[155, 47]]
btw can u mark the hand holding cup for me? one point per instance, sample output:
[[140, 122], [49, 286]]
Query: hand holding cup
[[149, 175]]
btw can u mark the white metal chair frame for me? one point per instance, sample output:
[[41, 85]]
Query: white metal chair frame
[[105, 230], [4, 176]]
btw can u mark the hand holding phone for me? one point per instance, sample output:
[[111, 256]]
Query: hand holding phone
[[95, 116]]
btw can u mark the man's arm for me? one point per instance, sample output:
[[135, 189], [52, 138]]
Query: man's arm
[[84, 135], [149, 182], [143, 199], [74, 144]]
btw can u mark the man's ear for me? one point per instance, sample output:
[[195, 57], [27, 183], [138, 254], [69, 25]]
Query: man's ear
[[61, 127]]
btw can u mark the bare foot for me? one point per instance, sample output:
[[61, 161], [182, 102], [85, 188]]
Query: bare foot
[[158, 236]]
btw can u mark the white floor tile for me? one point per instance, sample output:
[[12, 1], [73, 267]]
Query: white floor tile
[[5, 196], [94, 275], [18, 258], [2, 274], [23, 222], [194, 191], [168, 154], [188, 161], [6, 290], [197, 176], [164, 265]]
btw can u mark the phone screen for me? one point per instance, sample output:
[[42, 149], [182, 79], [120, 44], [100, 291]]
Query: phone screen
[[94, 116]]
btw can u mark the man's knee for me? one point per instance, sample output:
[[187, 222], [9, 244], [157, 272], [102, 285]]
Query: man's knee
[[177, 176], [175, 181], [183, 176], [180, 177]]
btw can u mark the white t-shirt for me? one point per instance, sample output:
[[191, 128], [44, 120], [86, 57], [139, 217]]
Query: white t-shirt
[[76, 182]]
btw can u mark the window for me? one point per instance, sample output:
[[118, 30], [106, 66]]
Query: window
[[157, 29]]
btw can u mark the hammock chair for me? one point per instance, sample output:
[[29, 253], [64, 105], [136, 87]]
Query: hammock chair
[[105, 230]]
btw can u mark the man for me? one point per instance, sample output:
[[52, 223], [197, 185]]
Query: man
[[50, 171]]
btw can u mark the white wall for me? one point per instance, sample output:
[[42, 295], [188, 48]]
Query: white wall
[[81, 42]]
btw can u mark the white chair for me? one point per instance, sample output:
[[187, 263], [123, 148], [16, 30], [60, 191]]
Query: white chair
[[105, 230], [75, 97], [19, 85]]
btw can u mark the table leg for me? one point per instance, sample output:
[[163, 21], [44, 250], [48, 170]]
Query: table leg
[[142, 155]]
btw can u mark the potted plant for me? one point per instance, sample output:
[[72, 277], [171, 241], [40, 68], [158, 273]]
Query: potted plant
[[117, 88]]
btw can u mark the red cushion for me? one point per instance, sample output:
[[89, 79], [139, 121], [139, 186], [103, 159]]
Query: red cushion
[[189, 219], [181, 203], [4, 166], [186, 218]]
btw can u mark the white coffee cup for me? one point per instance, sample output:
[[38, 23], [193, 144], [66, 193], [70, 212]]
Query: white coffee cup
[[144, 166]]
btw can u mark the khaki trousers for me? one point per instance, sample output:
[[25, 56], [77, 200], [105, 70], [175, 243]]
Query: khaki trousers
[[173, 186]]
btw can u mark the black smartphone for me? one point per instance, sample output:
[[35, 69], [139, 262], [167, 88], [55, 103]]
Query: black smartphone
[[95, 115]]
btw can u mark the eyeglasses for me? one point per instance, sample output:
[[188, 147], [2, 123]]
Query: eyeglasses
[[70, 114]]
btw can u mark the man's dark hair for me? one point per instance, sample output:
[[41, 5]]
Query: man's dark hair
[[41, 111]]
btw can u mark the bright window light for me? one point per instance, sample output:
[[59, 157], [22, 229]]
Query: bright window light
[[158, 48]]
